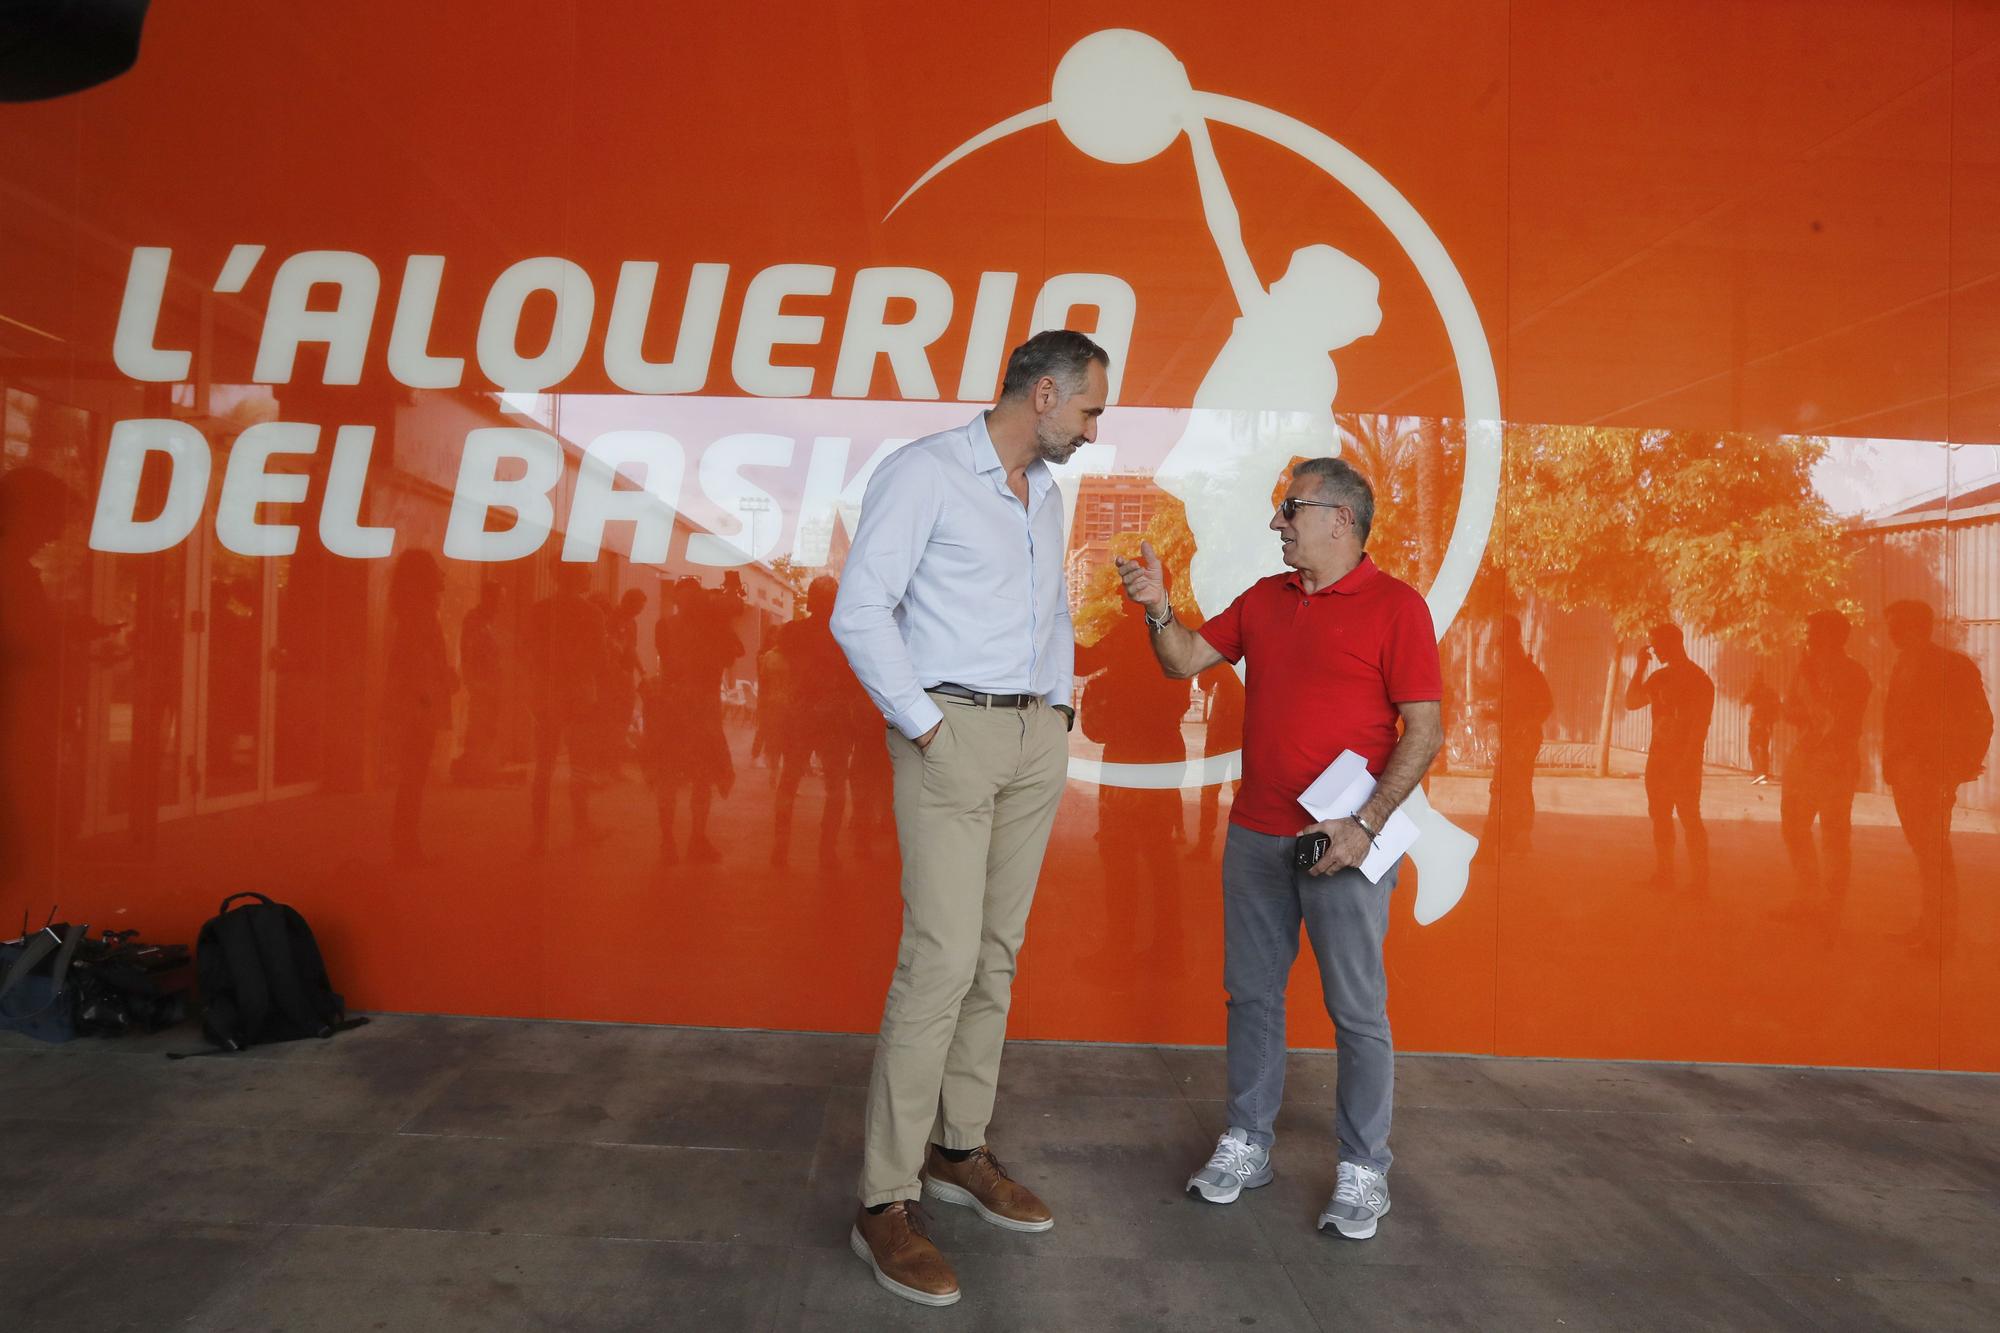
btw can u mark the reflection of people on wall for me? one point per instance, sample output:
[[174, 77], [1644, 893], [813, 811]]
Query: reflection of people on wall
[[1222, 689], [621, 679], [871, 818], [816, 721], [1682, 699], [34, 712], [1521, 710], [684, 733], [233, 697], [1936, 725], [479, 664], [770, 684], [1135, 712], [1762, 701], [418, 691], [1825, 705], [567, 648]]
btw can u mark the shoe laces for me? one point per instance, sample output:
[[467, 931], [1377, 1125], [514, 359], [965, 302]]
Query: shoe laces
[[984, 1158], [1355, 1184], [914, 1218], [1233, 1156]]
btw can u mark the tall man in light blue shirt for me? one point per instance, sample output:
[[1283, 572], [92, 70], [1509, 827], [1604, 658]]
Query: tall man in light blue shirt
[[953, 612]]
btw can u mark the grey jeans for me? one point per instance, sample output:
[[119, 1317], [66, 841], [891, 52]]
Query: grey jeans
[[1264, 898]]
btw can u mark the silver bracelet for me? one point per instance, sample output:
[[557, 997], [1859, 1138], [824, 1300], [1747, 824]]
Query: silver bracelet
[[1374, 835]]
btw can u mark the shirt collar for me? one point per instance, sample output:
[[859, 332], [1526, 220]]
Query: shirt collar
[[986, 462], [1346, 585]]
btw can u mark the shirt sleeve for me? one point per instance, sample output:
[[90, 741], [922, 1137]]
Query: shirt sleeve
[[1224, 631], [1410, 668], [1063, 690], [898, 511]]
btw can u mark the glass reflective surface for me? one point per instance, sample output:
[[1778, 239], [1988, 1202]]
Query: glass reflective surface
[[532, 433]]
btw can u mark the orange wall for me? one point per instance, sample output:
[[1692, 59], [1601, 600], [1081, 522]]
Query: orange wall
[[1692, 233]]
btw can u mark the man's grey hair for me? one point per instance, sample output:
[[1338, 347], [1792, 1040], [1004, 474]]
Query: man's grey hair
[[1342, 483], [1064, 355]]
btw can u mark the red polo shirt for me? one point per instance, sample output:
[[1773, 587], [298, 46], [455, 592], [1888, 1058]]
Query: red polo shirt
[[1327, 670]]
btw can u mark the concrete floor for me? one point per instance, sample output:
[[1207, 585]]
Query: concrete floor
[[441, 1173]]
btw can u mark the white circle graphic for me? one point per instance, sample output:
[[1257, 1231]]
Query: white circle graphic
[[1121, 97]]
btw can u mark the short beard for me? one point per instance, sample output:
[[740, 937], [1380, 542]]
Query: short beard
[[1054, 446]]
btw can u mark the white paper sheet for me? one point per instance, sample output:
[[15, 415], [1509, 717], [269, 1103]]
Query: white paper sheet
[[1343, 789]]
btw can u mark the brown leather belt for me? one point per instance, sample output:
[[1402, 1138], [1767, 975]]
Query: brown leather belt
[[961, 694]]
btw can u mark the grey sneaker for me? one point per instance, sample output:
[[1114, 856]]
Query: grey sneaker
[[1361, 1197], [1236, 1165]]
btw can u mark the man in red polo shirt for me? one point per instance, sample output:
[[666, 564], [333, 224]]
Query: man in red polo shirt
[[1338, 652]]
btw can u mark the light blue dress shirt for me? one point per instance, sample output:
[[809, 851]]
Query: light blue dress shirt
[[951, 579]]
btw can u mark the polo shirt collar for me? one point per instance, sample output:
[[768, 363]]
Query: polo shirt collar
[[1346, 585]]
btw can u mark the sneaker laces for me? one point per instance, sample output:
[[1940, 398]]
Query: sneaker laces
[[1232, 1156], [1354, 1184]]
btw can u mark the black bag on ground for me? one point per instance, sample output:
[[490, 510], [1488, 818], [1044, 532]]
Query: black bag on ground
[[261, 977], [37, 998], [124, 984]]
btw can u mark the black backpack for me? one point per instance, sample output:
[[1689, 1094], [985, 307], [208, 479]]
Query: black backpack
[[262, 979]]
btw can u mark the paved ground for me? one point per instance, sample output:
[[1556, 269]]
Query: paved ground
[[441, 1173]]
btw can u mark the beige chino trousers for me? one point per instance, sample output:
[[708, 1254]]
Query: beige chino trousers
[[973, 814]]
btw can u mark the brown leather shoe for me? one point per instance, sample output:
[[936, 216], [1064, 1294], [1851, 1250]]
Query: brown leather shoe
[[982, 1184], [893, 1243]]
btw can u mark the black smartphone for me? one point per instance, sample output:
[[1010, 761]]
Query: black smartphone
[[1307, 851]]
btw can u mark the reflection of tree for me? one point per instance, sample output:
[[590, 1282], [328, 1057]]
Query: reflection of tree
[[1720, 533], [1100, 605], [795, 577], [1414, 465]]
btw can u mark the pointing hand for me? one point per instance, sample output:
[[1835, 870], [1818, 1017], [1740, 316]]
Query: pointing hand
[[1145, 580]]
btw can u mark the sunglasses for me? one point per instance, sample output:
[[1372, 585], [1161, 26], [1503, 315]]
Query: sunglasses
[[1289, 510]]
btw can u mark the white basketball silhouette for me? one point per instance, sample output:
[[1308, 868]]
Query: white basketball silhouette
[[1120, 96]]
